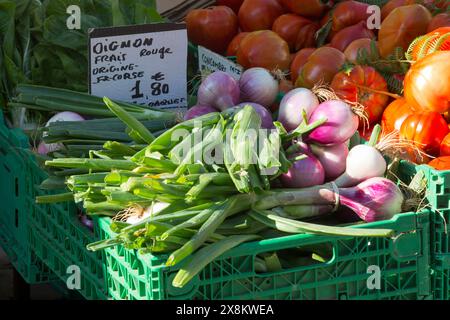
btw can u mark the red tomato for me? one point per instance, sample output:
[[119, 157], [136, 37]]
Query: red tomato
[[349, 13], [259, 14], [299, 61], [354, 48], [233, 47], [394, 4], [288, 26], [233, 4], [212, 28], [343, 38], [310, 8], [426, 130], [427, 83], [401, 27], [395, 114], [442, 163], [264, 49], [439, 21], [356, 86], [321, 66], [445, 146]]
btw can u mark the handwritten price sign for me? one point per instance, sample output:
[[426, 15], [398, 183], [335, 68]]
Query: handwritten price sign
[[143, 64]]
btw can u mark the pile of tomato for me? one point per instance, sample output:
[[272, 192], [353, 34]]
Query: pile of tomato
[[311, 42]]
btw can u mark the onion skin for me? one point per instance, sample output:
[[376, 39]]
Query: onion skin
[[341, 125], [374, 199], [197, 111], [333, 159], [264, 114], [219, 90], [292, 106], [304, 173], [259, 86]]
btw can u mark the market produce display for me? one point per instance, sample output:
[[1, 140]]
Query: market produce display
[[307, 140]]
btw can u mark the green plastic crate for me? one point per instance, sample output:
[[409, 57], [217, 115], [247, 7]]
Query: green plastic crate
[[13, 213], [59, 239], [403, 261]]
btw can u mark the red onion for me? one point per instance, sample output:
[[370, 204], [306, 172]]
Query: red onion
[[374, 199], [304, 173], [197, 111], [259, 86], [292, 106], [219, 90], [264, 114], [333, 159], [87, 222], [341, 125]]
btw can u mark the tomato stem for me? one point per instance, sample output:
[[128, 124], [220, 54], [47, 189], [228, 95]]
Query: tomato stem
[[393, 95]]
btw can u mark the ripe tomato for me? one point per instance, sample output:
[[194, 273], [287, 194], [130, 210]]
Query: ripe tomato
[[427, 83], [343, 38], [287, 26], [259, 14], [401, 27], [299, 61], [310, 8], [395, 114], [439, 21], [349, 13], [233, 47], [212, 28], [445, 146], [441, 163], [354, 48], [233, 4], [356, 86], [426, 130], [264, 49], [321, 66], [394, 4]]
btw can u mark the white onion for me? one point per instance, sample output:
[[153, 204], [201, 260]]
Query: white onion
[[259, 86], [292, 106]]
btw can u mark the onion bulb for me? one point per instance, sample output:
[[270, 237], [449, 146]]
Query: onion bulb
[[219, 90], [292, 106], [259, 86]]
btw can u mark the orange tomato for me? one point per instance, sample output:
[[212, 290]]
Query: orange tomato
[[264, 49], [394, 115], [401, 27], [442, 163], [321, 66], [300, 58], [426, 130], [445, 146], [356, 86], [233, 47], [427, 83]]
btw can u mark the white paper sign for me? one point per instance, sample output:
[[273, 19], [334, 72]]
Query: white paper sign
[[143, 64], [209, 61]]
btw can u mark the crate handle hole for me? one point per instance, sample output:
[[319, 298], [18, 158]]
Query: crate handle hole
[[17, 186], [16, 218]]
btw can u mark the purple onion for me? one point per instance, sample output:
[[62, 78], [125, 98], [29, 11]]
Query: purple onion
[[374, 199], [259, 86], [87, 222], [198, 111], [219, 90], [304, 173], [292, 106], [341, 123], [333, 159], [264, 114]]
